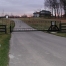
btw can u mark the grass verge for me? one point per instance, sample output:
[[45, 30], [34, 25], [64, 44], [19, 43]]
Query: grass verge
[[60, 34], [4, 49], [4, 43]]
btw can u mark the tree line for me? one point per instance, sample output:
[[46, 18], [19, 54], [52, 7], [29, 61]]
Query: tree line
[[58, 7]]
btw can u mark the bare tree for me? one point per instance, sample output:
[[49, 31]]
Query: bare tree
[[49, 5], [63, 6], [53, 5]]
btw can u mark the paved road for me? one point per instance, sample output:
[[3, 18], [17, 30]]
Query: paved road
[[36, 48]]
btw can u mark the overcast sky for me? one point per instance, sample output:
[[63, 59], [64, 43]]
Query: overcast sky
[[19, 7]]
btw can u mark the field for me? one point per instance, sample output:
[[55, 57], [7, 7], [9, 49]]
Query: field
[[4, 43], [40, 23], [43, 24]]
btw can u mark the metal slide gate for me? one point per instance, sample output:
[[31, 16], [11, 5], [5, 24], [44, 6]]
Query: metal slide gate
[[36, 26]]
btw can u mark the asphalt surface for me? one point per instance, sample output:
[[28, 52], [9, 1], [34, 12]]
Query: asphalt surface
[[36, 48]]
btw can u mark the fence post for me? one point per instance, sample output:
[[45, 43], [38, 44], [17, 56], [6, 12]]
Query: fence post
[[60, 26], [51, 25], [5, 29]]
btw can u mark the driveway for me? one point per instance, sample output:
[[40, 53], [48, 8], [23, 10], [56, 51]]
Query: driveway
[[36, 48]]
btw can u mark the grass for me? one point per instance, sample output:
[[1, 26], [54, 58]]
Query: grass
[[4, 43], [4, 49], [60, 34], [43, 24]]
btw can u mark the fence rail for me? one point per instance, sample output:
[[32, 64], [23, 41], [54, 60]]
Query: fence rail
[[63, 27], [3, 28]]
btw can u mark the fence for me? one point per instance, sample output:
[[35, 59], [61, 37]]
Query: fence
[[3, 28], [63, 27]]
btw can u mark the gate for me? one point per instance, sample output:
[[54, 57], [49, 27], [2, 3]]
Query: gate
[[42, 25]]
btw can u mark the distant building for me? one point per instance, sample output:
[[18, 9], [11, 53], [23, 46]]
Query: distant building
[[45, 13], [42, 13], [36, 14]]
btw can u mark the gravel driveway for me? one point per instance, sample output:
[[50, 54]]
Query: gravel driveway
[[36, 48]]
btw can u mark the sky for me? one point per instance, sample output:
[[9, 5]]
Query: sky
[[20, 7]]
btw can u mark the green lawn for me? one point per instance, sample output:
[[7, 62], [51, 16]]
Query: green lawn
[[4, 43], [4, 49]]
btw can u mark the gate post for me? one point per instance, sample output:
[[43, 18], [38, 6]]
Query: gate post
[[53, 26], [10, 29]]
